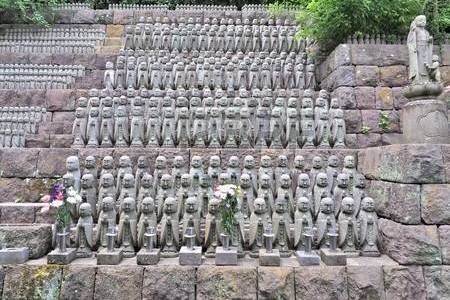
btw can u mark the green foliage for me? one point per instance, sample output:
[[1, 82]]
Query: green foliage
[[39, 12], [438, 18], [228, 208], [62, 217], [384, 121], [365, 129]]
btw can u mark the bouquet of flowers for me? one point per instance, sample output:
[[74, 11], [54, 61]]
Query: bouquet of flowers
[[228, 195]]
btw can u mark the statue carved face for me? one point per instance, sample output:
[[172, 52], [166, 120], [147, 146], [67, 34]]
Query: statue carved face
[[214, 161], [108, 162], [185, 180], [421, 21], [333, 161], [349, 162], [204, 181], [260, 206], [347, 205], [280, 207], [142, 162], [146, 181], [213, 206], [266, 161], [326, 205], [224, 178], [303, 180], [128, 204], [85, 210], [285, 181], [299, 162], [342, 180], [72, 164], [128, 181], [68, 180], [317, 162], [245, 181], [233, 162], [166, 180], [249, 162], [360, 182], [303, 204], [322, 179], [147, 205], [160, 162], [87, 181], [108, 180], [169, 206], [178, 161], [282, 161], [368, 204], [196, 162], [191, 205], [107, 204], [124, 162]]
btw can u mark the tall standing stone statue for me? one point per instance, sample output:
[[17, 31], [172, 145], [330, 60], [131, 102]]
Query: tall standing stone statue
[[73, 167], [259, 221], [169, 238], [368, 222], [84, 237], [127, 234], [425, 118], [146, 219]]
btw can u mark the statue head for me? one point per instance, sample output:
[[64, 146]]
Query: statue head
[[333, 161], [317, 162], [128, 204], [249, 162], [85, 210], [160, 162], [142, 162], [280, 206], [285, 181], [349, 162], [265, 181], [419, 21], [368, 204], [147, 205], [68, 180], [326, 205], [342, 180], [303, 204], [213, 206], [107, 204], [147, 180], [128, 180], [266, 161], [107, 180], [245, 181], [233, 162], [87, 181], [178, 161], [260, 206], [72, 164], [90, 162], [304, 181], [347, 205], [204, 181], [224, 178], [282, 161], [166, 181], [360, 181], [191, 205], [124, 161], [322, 179], [108, 163], [185, 180], [299, 162], [214, 161], [170, 205]]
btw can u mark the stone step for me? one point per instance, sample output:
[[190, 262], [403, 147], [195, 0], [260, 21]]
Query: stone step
[[24, 213]]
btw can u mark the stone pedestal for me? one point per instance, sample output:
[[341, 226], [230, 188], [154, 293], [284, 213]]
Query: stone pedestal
[[62, 258], [333, 257], [352, 254], [105, 257], [425, 122], [190, 257], [269, 258], [11, 256], [145, 257], [226, 257], [307, 259]]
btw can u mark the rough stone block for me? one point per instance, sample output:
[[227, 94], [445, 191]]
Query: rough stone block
[[41, 140], [353, 120], [445, 55], [393, 76], [52, 162], [346, 96], [437, 281], [61, 116], [123, 17], [396, 201], [32, 282], [169, 282], [38, 238], [365, 97], [18, 162], [307, 259], [226, 282], [190, 257], [384, 98], [61, 140], [403, 282], [269, 259], [399, 99], [404, 163], [321, 282], [118, 282], [444, 238], [78, 282], [410, 244], [445, 75], [13, 256], [365, 282], [379, 55], [340, 56], [367, 75], [23, 190], [435, 202], [371, 119], [276, 283], [105, 257], [368, 140], [61, 258], [226, 257], [103, 16], [391, 139], [114, 31], [84, 16], [333, 258], [144, 257], [342, 76]]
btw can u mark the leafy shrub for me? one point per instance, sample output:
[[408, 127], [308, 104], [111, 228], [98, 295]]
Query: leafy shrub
[[29, 11]]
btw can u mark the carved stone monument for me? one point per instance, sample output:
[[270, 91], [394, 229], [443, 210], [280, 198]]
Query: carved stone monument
[[190, 255], [62, 255], [149, 255], [111, 255]]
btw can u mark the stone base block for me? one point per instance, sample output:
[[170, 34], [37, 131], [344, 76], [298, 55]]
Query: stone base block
[[12, 256], [352, 254], [333, 258], [425, 121], [307, 259], [104, 257], [148, 258], [84, 254], [226, 257], [190, 257], [62, 258], [269, 259]]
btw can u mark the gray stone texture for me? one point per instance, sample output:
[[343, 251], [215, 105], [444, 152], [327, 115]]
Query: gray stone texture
[[346, 96], [384, 98], [379, 55], [435, 203], [367, 75], [365, 282], [393, 76], [368, 140], [437, 282], [328, 282], [353, 120], [340, 56], [404, 163], [18, 163], [342, 76], [404, 283], [276, 283], [365, 97], [169, 282], [118, 282], [410, 244], [78, 282], [226, 282], [396, 201], [444, 239], [36, 237]]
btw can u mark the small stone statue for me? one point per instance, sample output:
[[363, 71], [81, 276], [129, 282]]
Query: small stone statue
[[281, 169], [160, 169], [259, 221], [358, 192], [127, 190], [93, 128], [169, 236], [196, 171], [141, 169], [322, 130], [84, 238], [317, 167], [106, 219], [214, 169], [350, 169], [325, 222], [340, 192], [212, 228], [284, 191], [191, 218], [303, 219], [281, 228], [338, 129], [178, 169], [368, 222], [265, 192], [79, 127], [249, 168], [147, 219], [420, 48], [332, 171], [146, 190], [73, 167], [127, 235], [165, 190], [106, 189], [247, 196], [266, 168], [320, 191], [204, 194], [304, 189], [348, 231], [89, 193]]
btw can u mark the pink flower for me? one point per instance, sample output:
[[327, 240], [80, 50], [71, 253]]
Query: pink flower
[[45, 209], [45, 199], [57, 203]]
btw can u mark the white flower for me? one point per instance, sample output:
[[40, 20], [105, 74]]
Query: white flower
[[56, 203], [72, 196]]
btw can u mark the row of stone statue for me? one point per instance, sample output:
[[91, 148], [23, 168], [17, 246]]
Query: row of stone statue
[[42, 69], [51, 34], [72, 6], [236, 38], [182, 21], [357, 235], [229, 125], [181, 181], [125, 6], [54, 47], [226, 75]]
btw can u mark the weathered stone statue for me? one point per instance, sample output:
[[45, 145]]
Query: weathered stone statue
[[348, 231], [169, 238], [284, 191], [106, 219], [233, 169], [281, 169], [281, 227], [350, 169], [325, 223], [160, 169], [276, 134], [84, 236], [90, 167], [317, 167], [420, 48], [127, 234], [303, 219], [266, 168], [332, 171], [178, 169], [262, 128], [247, 197], [265, 192], [153, 134], [249, 168], [212, 228], [338, 129], [298, 168], [322, 130], [168, 131], [79, 127], [137, 127], [368, 222], [214, 169], [121, 128], [196, 171], [358, 192], [124, 167], [320, 191], [146, 189], [109, 77], [259, 220], [127, 190], [191, 218], [89, 193], [142, 168], [340, 192], [106, 189], [73, 167], [304, 189], [107, 128], [307, 127], [165, 189], [147, 219]]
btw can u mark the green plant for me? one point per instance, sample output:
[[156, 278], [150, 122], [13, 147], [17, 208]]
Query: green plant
[[228, 208], [438, 18], [365, 129], [384, 121], [39, 12]]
